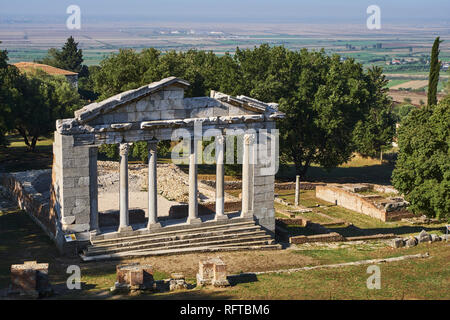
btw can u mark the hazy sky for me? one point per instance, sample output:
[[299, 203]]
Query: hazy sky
[[320, 11]]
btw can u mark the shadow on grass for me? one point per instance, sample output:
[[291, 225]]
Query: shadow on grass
[[353, 231], [378, 173], [242, 278], [18, 158]]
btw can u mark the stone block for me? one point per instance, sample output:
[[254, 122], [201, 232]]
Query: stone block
[[75, 172], [212, 271], [397, 243], [69, 182], [144, 105], [167, 114], [176, 104], [83, 181], [68, 219], [424, 237], [411, 242], [159, 95], [435, 238], [132, 116], [120, 117], [83, 218], [135, 274], [31, 279], [82, 201], [173, 94], [150, 115], [76, 227]]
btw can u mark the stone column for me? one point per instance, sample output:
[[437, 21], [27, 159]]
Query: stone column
[[193, 200], [246, 176], [93, 190], [123, 191], [297, 190], [220, 177], [152, 187]]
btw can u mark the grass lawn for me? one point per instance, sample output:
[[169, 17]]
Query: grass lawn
[[360, 224], [16, 157], [21, 240], [358, 169]]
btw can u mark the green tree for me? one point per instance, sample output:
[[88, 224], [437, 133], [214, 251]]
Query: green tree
[[402, 111], [433, 78], [40, 100], [323, 97], [7, 75], [68, 58], [375, 132], [329, 97], [422, 170]]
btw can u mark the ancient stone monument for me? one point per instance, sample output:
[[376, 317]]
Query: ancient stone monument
[[131, 277], [30, 279], [153, 113], [212, 272]]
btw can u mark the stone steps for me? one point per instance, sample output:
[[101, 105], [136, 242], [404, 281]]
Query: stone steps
[[174, 236], [230, 236], [172, 231], [136, 254], [180, 243]]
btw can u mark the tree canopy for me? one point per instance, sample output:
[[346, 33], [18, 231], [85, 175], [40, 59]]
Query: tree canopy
[[42, 99], [324, 98], [30, 103], [422, 170], [68, 58]]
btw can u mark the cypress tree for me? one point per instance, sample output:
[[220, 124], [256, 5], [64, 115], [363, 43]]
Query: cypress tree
[[433, 77], [70, 57]]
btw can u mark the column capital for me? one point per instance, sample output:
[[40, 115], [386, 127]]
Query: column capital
[[152, 145], [124, 148], [220, 139], [249, 138]]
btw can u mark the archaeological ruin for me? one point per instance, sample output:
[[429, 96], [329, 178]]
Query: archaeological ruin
[[158, 112]]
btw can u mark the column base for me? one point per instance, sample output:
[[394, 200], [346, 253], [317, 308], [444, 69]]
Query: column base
[[246, 215], [125, 229], [154, 226], [194, 221], [220, 217]]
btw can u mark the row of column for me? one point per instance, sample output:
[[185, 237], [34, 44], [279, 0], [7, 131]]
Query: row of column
[[193, 217]]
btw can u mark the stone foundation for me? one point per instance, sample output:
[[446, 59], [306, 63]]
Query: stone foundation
[[327, 237], [375, 206], [32, 197]]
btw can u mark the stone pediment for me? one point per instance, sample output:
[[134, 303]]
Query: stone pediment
[[94, 110], [162, 104]]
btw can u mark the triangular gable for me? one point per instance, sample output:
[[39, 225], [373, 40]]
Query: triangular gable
[[94, 110]]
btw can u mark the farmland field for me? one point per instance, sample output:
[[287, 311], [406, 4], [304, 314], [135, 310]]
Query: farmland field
[[413, 84]]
